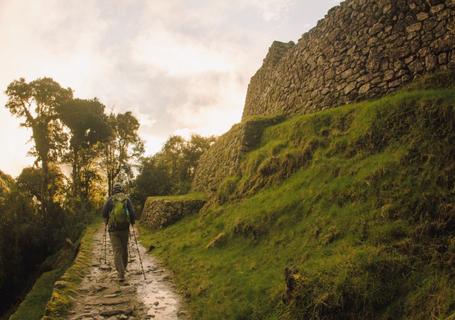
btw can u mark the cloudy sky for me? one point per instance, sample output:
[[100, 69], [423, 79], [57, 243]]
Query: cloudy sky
[[182, 66]]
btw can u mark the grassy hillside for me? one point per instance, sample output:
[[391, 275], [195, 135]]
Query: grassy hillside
[[355, 203]]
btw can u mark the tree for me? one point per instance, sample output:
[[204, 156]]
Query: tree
[[27, 237], [153, 179], [193, 150], [171, 170], [123, 149], [89, 127], [181, 157], [172, 155], [37, 104], [30, 180]]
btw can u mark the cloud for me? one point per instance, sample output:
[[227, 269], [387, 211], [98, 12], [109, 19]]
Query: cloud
[[272, 9], [182, 67]]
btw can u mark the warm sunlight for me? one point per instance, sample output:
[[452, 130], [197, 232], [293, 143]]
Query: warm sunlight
[[175, 65], [227, 160]]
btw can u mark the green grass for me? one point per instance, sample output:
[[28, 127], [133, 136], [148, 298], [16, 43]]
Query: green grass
[[35, 303], [356, 202], [183, 197], [43, 297], [64, 294]]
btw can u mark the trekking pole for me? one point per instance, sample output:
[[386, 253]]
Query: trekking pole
[[131, 246], [138, 253], [105, 244]]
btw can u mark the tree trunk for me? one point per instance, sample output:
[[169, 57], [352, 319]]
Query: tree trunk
[[45, 186], [76, 174]]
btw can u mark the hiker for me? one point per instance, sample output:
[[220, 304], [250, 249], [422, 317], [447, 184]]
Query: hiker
[[118, 214]]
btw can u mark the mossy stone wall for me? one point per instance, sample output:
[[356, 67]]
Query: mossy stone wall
[[160, 212], [223, 158]]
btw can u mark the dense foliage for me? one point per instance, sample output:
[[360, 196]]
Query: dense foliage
[[27, 236], [171, 170], [43, 206]]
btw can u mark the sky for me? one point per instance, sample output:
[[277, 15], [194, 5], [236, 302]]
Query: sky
[[181, 66]]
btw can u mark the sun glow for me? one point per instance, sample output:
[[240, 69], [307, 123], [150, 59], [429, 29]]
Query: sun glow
[[181, 68]]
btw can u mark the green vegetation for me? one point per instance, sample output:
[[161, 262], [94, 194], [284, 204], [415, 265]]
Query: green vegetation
[[37, 300], [26, 238], [171, 170], [342, 214], [183, 197], [64, 291], [42, 208]]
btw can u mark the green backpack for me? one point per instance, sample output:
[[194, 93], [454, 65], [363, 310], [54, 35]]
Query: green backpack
[[119, 218]]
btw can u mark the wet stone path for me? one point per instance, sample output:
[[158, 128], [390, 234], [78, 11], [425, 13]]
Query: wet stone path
[[101, 296]]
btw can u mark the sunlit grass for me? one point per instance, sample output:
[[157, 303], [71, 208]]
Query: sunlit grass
[[350, 198]]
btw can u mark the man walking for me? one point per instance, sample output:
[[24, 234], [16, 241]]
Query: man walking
[[118, 214]]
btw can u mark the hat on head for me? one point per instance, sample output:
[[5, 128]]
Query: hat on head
[[117, 188]]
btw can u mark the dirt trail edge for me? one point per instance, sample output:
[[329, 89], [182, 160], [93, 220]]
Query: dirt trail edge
[[100, 296]]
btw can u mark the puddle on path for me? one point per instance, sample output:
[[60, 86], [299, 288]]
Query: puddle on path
[[102, 297]]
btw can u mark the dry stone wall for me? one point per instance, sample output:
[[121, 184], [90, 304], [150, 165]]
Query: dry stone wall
[[361, 49], [160, 212], [222, 160]]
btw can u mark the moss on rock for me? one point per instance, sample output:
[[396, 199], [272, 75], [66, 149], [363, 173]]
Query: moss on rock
[[160, 212]]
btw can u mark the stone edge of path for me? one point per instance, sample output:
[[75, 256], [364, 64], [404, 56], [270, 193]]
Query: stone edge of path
[[65, 288]]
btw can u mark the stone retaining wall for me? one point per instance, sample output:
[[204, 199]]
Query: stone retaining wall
[[361, 49], [160, 212], [223, 158]]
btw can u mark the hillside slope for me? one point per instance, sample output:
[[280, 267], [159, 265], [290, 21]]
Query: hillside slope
[[343, 214]]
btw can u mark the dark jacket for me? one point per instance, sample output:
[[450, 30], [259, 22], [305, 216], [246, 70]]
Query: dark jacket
[[109, 205]]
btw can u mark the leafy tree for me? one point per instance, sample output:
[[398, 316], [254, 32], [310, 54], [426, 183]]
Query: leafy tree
[[124, 148], [89, 127], [193, 150], [6, 183], [172, 155], [30, 180], [37, 103], [24, 242], [153, 179], [181, 157], [171, 170]]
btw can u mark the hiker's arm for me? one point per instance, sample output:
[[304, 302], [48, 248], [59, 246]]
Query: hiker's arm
[[106, 209], [130, 208]]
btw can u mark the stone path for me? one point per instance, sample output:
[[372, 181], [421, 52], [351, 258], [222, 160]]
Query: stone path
[[102, 297]]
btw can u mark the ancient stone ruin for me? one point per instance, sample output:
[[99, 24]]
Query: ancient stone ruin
[[160, 212], [362, 49]]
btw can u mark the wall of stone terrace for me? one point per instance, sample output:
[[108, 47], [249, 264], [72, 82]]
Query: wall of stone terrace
[[361, 49]]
